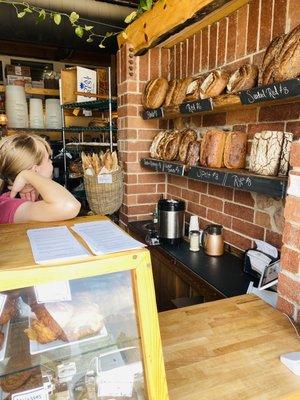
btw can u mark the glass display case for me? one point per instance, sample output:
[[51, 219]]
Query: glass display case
[[88, 330]]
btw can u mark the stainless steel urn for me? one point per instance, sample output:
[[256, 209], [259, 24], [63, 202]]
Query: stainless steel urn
[[171, 220]]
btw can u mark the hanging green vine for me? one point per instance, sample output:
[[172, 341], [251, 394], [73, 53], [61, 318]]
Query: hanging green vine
[[83, 31]]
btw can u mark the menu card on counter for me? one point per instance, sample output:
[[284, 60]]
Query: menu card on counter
[[105, 237], [54, 245]]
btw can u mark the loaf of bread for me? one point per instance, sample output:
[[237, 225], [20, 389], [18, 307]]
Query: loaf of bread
[[288, 60], [266, 152], [235, 150], [161, 145], [155, 93], [171, 145], [214, 84], [269, 60], [193, 90], [212, 148], [243, 79], [285, 153], [193, 153], [170, 93], [155, 143], [180, 91], [188, 136]]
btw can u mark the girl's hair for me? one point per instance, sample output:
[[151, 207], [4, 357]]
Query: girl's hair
[[20, 152]]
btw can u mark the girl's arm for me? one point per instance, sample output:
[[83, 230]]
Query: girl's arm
[[57, 204]]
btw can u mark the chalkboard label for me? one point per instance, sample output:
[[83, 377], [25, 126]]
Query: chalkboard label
[[173, 168], [251, 183], [290, 88], [151, 163], [154, 113], [196, 106]]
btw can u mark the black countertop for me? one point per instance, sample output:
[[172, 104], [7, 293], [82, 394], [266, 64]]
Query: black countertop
[[224, 273]]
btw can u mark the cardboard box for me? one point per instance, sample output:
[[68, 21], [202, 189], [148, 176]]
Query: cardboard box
[[102, 81], [17, 70], [11, 80]]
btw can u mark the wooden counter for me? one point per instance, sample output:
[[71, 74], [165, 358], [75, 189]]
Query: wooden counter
[[229, 350]]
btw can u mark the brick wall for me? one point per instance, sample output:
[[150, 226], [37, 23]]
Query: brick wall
[[233, 41], [289, 279]]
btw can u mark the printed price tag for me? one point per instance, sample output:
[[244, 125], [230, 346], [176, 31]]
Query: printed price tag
[[3, 298], [33, 394], [51, 292], [105, 178]]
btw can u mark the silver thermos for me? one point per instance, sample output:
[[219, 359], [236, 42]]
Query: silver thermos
[[171, 220]]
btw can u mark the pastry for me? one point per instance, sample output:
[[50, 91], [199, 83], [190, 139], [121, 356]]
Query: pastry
[[188, 136], [214, 84], [171, 146], [243, 79], [285, 153], [9, 310], [157, 138], [155, 93], [13, 381], [86, 321], [235, 150], [180, 91], [170, 92], [193, 153], [212, 148], [265, 152], [41, 333]]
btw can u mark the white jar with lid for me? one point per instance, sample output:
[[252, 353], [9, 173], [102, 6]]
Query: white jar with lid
[[194, 241]]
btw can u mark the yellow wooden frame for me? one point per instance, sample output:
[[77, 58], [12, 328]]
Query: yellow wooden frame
[[137, 261]]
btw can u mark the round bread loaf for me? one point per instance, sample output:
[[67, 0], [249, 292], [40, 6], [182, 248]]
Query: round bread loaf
[[171, 146], [235, 150], [212, 148], [157, 138], [243, 79], [269, 61], [161, 145], [155, 93], [180, 90], [193, 153], [214, 84], [170, 93]]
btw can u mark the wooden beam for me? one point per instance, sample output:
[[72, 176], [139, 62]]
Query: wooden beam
[[211, 18], [170, 17]]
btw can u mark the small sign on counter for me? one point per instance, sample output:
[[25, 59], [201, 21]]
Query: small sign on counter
[[290, 88], [153, 113], [192, 107], [33, 394]]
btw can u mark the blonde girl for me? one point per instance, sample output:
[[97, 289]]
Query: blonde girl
[[26, 169]]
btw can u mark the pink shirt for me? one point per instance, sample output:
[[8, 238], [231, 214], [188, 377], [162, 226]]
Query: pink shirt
[[8, 207]]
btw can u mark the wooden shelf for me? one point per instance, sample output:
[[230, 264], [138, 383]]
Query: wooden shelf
[[275, 94], [37, 91], [274, 186], [102, 105]]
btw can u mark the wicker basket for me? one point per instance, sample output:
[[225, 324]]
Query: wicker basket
[[104, 198]]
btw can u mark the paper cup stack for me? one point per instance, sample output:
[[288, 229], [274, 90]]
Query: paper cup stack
[[53, 117], [36, 114], [16, 107]]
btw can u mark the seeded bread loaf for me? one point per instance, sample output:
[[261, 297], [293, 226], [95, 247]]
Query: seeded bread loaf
[[235, 150], [212, 148], [193, 153]]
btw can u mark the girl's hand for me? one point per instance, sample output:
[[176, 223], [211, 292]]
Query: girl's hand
[[19, 184], [28, 193]]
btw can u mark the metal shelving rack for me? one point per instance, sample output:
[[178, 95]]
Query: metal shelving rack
[[102, 104]]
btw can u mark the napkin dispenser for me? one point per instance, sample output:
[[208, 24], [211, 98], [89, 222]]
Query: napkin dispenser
[[259, 257]]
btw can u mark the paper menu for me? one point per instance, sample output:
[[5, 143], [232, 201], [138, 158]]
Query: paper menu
[[55, 244], [105, 237]]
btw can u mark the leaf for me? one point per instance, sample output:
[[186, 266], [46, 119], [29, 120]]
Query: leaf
[[90, 40], [101, 45], [42, 14], [79, 31], [146, 4], [109, 34], [130, 17], [88, 27], [73, 17], [28, 10], [57, 18], [21, 14]]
